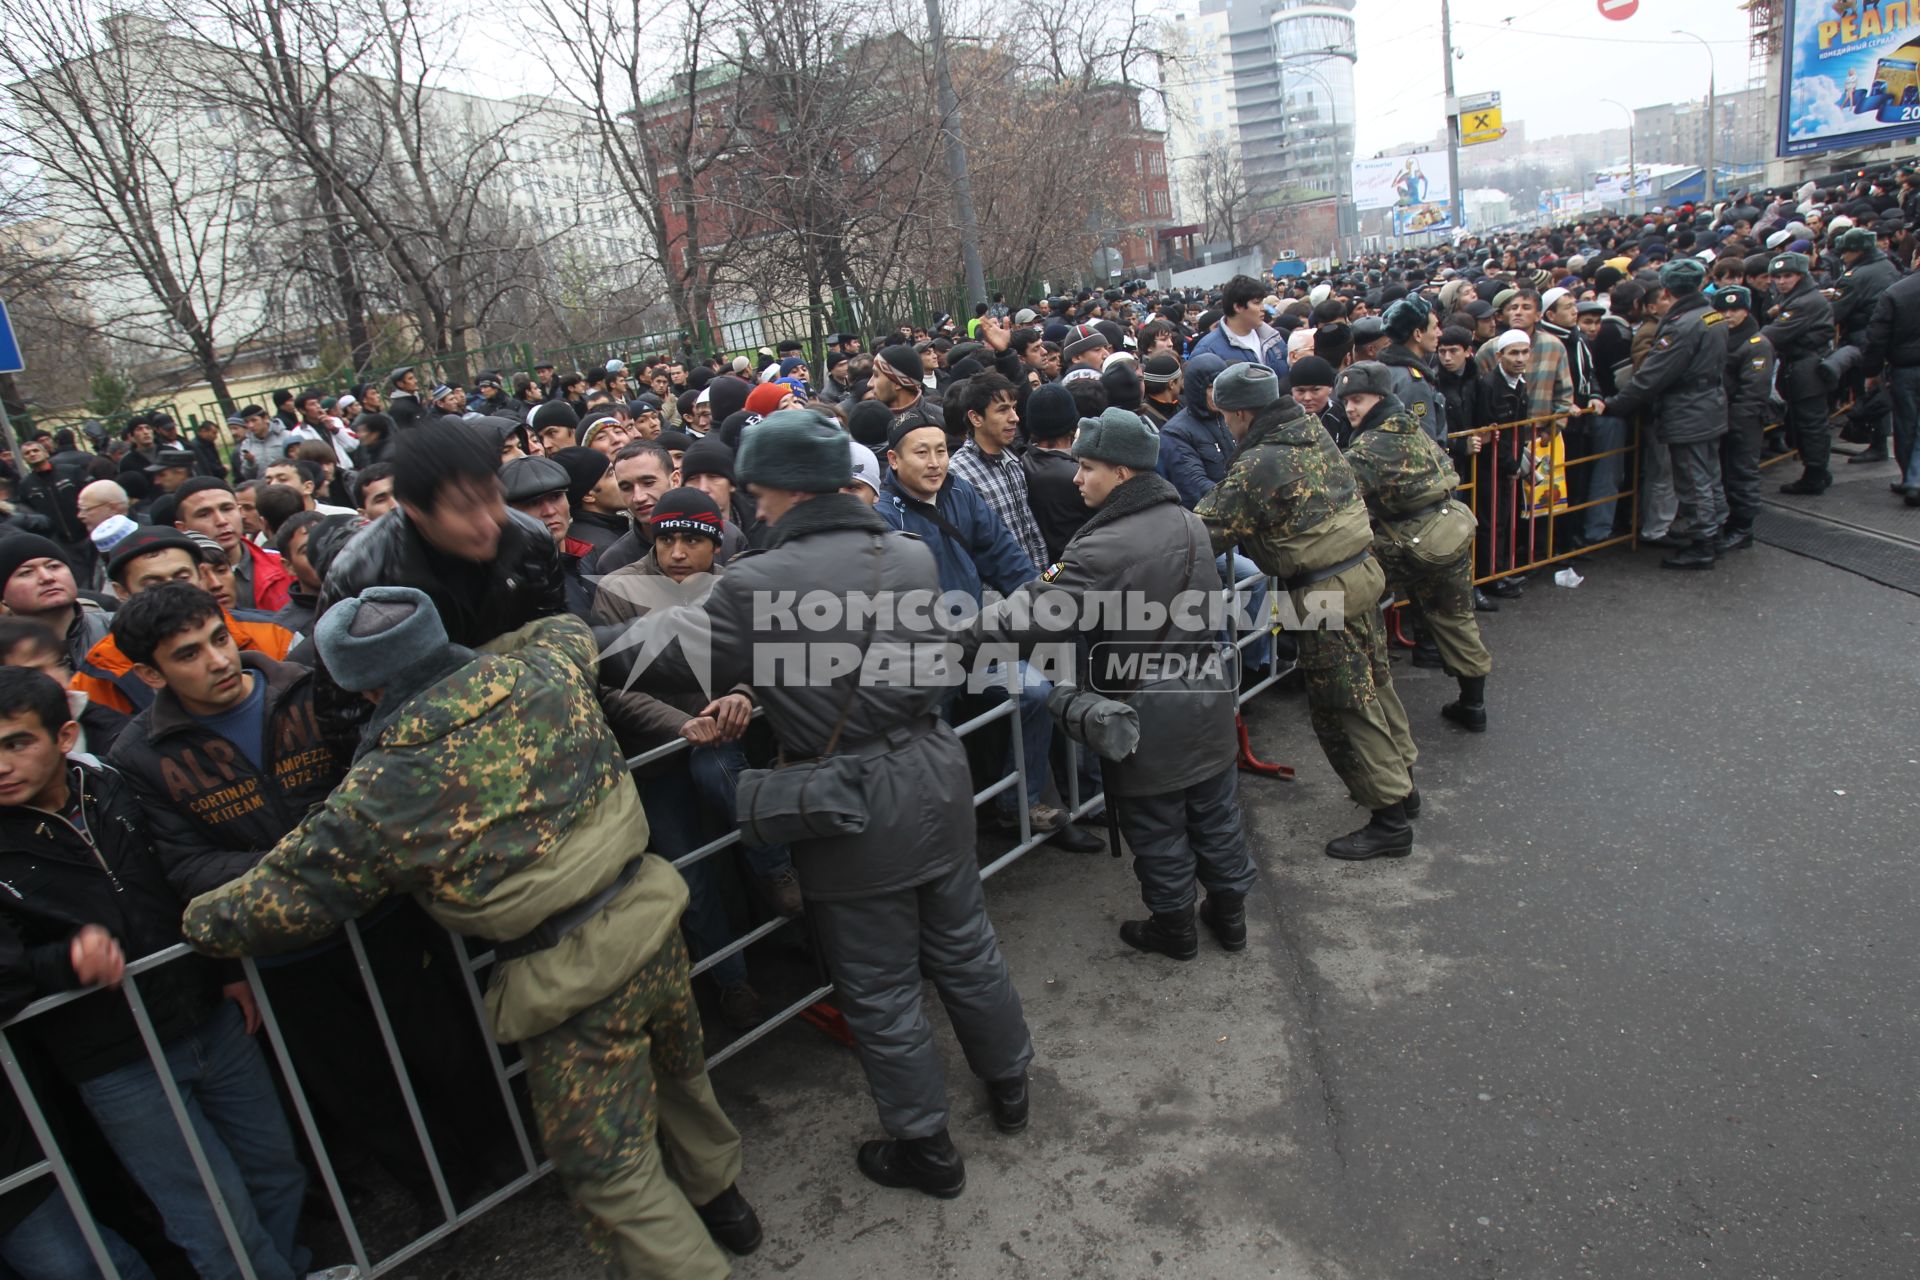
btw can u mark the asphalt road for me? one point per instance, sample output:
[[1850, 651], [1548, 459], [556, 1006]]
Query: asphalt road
[[1640, 1004]]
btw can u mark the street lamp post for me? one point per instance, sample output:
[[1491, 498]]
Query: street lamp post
[[1713, 114], [1630, 170], [1341, 197]]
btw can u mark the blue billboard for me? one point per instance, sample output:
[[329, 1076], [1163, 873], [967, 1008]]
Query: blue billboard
[[1850, 76]]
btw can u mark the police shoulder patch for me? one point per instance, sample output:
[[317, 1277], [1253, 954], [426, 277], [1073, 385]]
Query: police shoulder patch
[[1420, 410], [1786, 315], [1053, 571], [1713, 317], [1759, 362], [1754, 338], [1665, 342]]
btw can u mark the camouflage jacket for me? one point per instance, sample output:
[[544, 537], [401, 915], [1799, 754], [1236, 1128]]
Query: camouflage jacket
[[497, 796], [1399, 468], [1289, 499]]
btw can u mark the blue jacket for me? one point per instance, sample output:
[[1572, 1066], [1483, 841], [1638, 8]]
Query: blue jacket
[[1273, 347], [1195, 445], [983, 553]]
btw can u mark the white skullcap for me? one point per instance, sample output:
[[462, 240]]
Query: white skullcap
[[1118, 357], [1508, 339], [1550, 297]]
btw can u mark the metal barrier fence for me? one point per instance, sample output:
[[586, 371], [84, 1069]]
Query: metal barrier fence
[[503, 1062], [505, 1066]]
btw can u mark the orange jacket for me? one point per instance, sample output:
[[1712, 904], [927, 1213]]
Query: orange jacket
[[106, 675]]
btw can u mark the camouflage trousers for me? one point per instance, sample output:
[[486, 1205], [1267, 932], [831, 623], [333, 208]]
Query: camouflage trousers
[[1350, 697], [610, 1086], [1442, 601]]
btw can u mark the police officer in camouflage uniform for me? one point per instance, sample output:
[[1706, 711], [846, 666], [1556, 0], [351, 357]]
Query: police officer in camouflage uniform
[[1422, 537], [455, 797], [1292, 505]]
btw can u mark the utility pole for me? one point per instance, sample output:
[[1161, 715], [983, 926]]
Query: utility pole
[[1453, 118], [956, 161], [1707, 182]]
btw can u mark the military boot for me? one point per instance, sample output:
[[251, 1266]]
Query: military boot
[[1171, 933], [931, 1164], [1733, 538], [731, 1221], [1010, 1102], [1412, 803], [1469, 710], [1225, 915], [1389, 835], [1812, 482], [1698, 555]]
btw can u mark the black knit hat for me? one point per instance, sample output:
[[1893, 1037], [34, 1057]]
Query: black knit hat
[[1310, 371], [687, 510], [1159, 370], [18, 548], [584, 469], [905, 361], [869, 423], [706, 458], [553, 413], [1051, 413]]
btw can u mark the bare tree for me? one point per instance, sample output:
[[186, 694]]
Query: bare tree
[[1229, 208], [158, 222], [661, 110]]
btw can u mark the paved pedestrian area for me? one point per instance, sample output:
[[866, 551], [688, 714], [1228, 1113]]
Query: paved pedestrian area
[[1639, 1005]]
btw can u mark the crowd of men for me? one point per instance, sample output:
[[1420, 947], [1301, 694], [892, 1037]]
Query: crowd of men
[[370, 654]]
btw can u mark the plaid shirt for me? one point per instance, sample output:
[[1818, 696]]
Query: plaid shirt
[[1549, 384], [1003, 483]]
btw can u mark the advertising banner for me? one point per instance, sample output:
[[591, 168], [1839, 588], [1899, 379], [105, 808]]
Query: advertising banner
[[1413, 186], [1851, 74]]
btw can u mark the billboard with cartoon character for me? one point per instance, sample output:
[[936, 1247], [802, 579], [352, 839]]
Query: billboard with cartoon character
[[1851, 74]]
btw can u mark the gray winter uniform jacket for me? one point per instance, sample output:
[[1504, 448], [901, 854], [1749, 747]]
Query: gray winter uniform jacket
[[1143, 544], [1683, 379], [919, 790]]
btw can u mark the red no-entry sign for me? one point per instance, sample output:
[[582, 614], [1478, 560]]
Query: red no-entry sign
[[1618, 10]]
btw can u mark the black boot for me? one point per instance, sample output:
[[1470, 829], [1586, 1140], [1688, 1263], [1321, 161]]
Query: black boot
[[1698, 555], [1427, 654], [1875, 452], [1389, 835], [930, 1164], [731, 1221], [1484, 603], [1733, 539], [1469, 710], [1225, 915], [1412, 803], [1812, 482], [1008, 1098], [1171, 933]]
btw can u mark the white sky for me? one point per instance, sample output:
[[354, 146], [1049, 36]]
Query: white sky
[[1551, 65]]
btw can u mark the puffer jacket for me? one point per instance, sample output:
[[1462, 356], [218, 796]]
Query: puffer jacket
[[1142, 544], [57, 880], [496, 795], [1195, 445], [211, 811], [1683, 379], [919, 790]]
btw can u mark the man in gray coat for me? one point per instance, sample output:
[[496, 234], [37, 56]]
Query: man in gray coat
[[1177, 800], [1683, 381], [903, 896]]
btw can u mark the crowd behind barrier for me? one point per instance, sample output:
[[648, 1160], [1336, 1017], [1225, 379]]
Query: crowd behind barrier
[[1549, 370]]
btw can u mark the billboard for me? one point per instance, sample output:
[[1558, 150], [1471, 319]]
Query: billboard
[[1413, 186], [1851, 74]]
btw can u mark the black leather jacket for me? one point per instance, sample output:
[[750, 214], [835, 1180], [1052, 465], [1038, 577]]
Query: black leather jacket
[[476, 602]]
